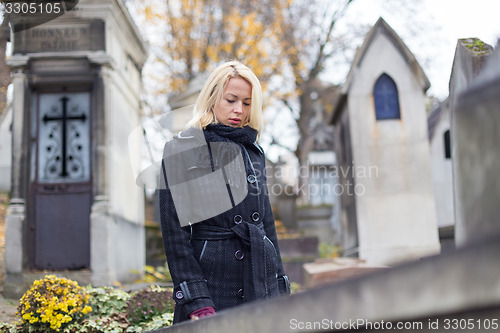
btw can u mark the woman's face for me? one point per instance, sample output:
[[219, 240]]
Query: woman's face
[[234, 107]]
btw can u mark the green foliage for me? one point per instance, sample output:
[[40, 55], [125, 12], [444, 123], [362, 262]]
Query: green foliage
[[8, 328], [119, 324], [106, 301], [157, 322], [114, 308], [149, 303], [475, 45], [328, 251], [295, 287], [113, 324], [108, 305]]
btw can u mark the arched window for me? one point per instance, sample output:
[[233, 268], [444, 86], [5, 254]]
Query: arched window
[[385, 95]]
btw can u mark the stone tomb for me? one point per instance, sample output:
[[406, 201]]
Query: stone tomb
[[388, 208], [75, 208], [469, 143], [470, 56], [476, 161]]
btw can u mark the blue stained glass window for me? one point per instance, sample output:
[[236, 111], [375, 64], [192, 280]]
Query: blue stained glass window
[[385, 95]]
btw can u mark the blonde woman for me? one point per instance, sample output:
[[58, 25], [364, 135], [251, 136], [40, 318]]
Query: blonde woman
[[217, 224]]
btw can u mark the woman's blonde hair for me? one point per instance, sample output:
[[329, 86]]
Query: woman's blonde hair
[[212, 92]]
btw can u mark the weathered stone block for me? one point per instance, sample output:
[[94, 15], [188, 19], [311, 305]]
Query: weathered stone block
[[476, 158], [324, 271]]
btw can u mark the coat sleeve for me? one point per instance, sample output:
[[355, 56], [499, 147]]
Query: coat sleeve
[[190, 285], [270, 230]]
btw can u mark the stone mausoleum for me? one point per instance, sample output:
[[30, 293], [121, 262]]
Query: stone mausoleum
[[388, 207], [75, 209]]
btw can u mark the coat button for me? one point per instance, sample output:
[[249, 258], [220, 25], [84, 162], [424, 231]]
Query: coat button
[[251, 179], [237, 219], [255, 216], [179, 295], [240, 293], [239, 254]]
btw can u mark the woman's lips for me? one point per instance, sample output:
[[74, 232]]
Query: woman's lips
[[235, 121]]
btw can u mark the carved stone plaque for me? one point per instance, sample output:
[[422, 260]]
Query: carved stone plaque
[[62, 37]]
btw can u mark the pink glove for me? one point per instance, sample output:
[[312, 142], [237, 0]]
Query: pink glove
[[203, 312]]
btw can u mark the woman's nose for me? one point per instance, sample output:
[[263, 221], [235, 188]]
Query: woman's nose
[[238, 108]]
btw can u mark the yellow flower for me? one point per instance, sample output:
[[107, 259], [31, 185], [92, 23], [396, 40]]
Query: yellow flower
[[51, 303], [63, 307]]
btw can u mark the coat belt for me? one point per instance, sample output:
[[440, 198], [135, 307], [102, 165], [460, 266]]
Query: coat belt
[[251, 235]]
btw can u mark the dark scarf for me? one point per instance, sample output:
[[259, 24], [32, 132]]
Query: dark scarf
[[242, 135]]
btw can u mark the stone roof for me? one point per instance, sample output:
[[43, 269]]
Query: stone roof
[[381, 27]]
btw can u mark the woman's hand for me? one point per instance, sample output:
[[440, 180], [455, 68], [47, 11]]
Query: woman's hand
[[203, 312]]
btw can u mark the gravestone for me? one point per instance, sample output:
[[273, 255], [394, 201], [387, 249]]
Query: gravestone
[[475, 141], [470, 57], [75, 208]]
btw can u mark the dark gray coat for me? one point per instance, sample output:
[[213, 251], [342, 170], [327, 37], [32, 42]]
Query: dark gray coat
[[224, 260]]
